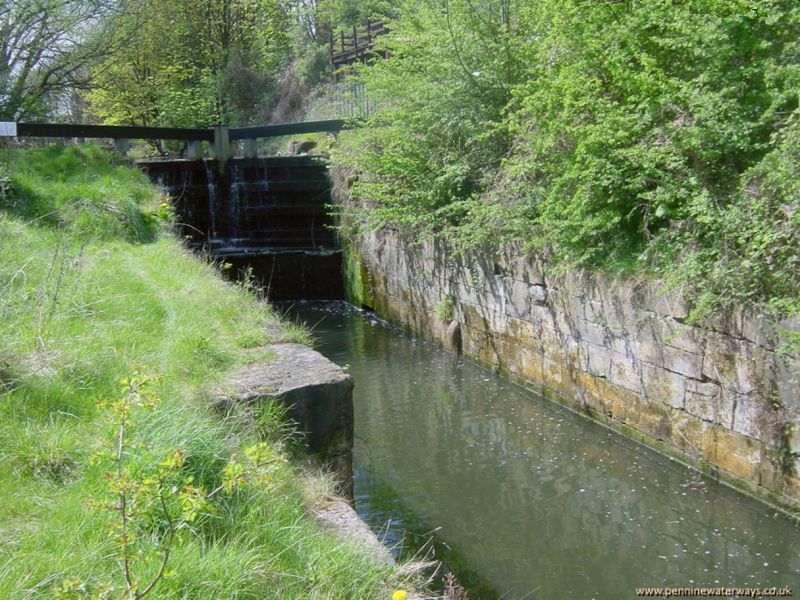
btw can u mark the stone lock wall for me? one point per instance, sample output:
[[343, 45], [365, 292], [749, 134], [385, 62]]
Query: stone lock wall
[[715, 394]]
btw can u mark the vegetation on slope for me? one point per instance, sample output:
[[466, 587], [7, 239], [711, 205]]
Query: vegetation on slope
[[92, 292], [621, 135]]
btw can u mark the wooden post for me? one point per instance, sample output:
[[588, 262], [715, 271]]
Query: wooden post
[[122, 145], [250, 148], [194, 149], [222, 146]]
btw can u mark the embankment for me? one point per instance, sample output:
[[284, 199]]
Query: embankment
[[113, 338]]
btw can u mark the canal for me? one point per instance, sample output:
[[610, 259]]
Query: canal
[[522, 498]]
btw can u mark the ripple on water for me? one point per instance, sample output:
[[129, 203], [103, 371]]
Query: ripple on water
[[527, 499]]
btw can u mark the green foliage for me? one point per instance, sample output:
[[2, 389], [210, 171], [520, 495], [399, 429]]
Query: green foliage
[[618, 135], [192, 63], [346, 14], [438, 134], [47, 48], [445, 308]]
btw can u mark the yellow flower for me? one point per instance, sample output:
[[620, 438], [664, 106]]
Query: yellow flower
[[399, 595]]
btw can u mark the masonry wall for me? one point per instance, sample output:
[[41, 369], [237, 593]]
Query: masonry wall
[[716, 394]]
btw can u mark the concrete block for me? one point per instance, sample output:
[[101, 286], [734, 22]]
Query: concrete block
[[317, 393]]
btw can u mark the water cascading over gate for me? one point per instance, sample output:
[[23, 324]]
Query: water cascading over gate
[[266, 215]]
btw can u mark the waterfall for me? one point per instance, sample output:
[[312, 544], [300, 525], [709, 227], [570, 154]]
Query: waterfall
[[266, 215], [212, 201]]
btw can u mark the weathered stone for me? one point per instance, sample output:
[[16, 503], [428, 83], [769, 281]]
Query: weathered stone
[[738, 364], [538, 294], [624, 374], [680, 361], [708, 401], [668, 303], [317, 393], [749, 415], [598, 360], [542, 315], [736, 454], [681, 336], [339, 517], [593, 333], [593, 391], [662, 385], [616, 346], [729, 321], [453, 335]]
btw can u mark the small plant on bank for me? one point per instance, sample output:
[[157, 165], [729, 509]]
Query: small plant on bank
[[445, 309], [154, 509], [148, 508]]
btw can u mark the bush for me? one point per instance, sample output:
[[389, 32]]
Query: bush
[[617, 135]]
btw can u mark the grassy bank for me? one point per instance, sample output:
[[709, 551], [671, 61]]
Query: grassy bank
[[92, 291]]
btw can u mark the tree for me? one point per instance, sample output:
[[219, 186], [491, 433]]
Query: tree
[[46, 48], [192, 63]]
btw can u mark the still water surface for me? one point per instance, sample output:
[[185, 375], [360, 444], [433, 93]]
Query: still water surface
[[523, 498]]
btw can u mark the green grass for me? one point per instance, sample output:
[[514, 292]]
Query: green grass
[[91, 288]]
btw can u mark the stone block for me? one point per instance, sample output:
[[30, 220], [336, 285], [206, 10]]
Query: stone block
[[518, 298], [759, 329], [593, 391], [593, 333], [708, 401], [598, 360], [524, 333], [668, 303], [531, 364], [749, 415], [683, 337], [687, 433], [543, 316], [606, 315], [624, 373], [682, 362], [538, 294], [734, 453], [728, 321], [553, 375], [661, 385], [317, 393], [621, 345], [737, 364]]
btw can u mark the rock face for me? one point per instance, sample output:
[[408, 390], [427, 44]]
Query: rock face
[[318, 395], [717, 394]]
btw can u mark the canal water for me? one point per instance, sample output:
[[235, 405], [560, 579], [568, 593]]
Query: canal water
[[522, 498]]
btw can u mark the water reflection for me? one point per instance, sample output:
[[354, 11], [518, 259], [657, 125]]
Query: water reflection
[[527, 499]]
